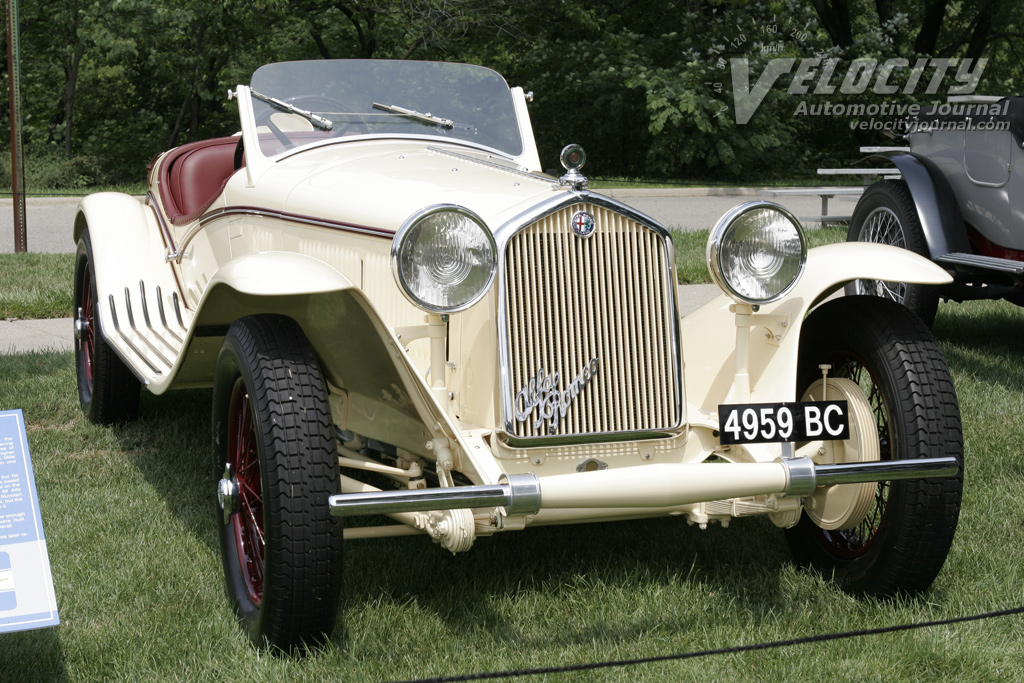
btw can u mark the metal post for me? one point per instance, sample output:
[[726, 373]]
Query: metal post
[[17, 153]]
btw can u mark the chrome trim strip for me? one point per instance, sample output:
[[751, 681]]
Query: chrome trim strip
[[804, 476], [567, 198], [117, 328], [490, 164], [801, 474], [519, 494], [131, 322], [177, 311], [145, 316], [394, 136], [165, 232], [163, 317], [579, 439], [886, 470]]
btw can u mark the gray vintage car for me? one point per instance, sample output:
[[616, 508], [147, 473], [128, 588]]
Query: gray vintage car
[[958, 200]]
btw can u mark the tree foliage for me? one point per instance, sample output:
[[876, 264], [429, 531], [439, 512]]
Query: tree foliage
[[647, 87]]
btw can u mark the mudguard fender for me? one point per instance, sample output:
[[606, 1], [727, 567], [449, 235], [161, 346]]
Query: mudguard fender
[[124, 236], [375, 388], [709, 334], [937, 209], [126, 242]]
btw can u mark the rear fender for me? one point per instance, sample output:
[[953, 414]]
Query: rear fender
[[126, 243], [936, 204], [124, 236], [709, 334]]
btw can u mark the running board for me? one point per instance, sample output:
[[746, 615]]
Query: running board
[[974, 262]]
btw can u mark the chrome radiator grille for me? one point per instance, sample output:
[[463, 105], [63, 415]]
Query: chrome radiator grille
[[598, 311]]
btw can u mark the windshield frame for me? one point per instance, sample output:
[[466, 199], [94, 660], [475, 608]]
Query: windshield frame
[[476, 100]]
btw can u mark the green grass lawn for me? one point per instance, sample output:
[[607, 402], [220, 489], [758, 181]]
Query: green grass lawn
[[36, 285], [129, 514], [130, 524]]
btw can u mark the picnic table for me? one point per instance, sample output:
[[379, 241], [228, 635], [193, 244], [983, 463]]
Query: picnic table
[[826, 193]]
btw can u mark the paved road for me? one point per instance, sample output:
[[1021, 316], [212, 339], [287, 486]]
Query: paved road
[[47, 224], [49, 220]]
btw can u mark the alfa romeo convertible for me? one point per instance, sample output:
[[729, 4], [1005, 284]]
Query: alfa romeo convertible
[[408, 327]]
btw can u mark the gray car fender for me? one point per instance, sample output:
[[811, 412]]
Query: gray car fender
[[936, 205]]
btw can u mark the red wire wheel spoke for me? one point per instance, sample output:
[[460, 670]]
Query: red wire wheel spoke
[[89, 333], [247, 522]]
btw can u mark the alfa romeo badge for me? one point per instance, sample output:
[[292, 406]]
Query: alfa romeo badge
[[583, 224]]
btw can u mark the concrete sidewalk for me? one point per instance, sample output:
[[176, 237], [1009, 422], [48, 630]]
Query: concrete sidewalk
[[25, 336]]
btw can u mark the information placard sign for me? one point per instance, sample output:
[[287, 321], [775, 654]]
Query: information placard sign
[[27, 598]]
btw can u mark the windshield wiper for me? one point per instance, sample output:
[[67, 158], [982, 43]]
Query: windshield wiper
[[318, 121], [447, 124]]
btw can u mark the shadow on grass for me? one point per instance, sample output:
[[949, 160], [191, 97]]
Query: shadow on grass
[[618, 581], [739, 566], [992, 327], [580, 566], [32, 656], [170, 443]]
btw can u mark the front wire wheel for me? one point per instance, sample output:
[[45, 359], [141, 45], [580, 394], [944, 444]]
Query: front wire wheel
[[903, 539], [886, 214], [273, 439]]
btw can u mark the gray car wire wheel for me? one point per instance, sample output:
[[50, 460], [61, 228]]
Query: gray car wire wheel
[[886, 214]]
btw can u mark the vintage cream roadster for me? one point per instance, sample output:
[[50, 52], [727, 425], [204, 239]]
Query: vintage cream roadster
[[406, 323]]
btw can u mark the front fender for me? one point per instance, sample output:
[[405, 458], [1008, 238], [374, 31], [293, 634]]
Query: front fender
[[375, 387], [709, 334]]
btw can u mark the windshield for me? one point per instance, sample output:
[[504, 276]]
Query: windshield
[[301, 103]]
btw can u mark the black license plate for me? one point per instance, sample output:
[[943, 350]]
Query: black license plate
[[781, 422]]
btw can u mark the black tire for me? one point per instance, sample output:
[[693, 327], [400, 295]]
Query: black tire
[[886, 214], [902, 543], [107, 390], [280, 545]]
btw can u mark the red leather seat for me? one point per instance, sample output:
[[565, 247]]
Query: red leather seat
[[193, 175]]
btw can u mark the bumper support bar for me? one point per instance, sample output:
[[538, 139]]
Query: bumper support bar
[[518, 493], [654, 486]]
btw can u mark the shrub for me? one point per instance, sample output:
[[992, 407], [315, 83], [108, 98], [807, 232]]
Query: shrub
[[55, 171]]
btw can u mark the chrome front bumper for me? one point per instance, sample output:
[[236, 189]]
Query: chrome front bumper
[[654, 486]]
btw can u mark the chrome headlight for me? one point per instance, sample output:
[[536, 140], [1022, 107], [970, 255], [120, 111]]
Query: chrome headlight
[[757, 252], [444, 258]]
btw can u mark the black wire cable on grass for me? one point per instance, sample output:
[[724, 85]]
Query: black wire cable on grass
[[823, 638]]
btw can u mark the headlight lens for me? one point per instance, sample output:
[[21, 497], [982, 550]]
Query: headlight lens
[[444, 258], [757, 252]]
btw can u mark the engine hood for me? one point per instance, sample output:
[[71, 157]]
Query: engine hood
[[380, 184]]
